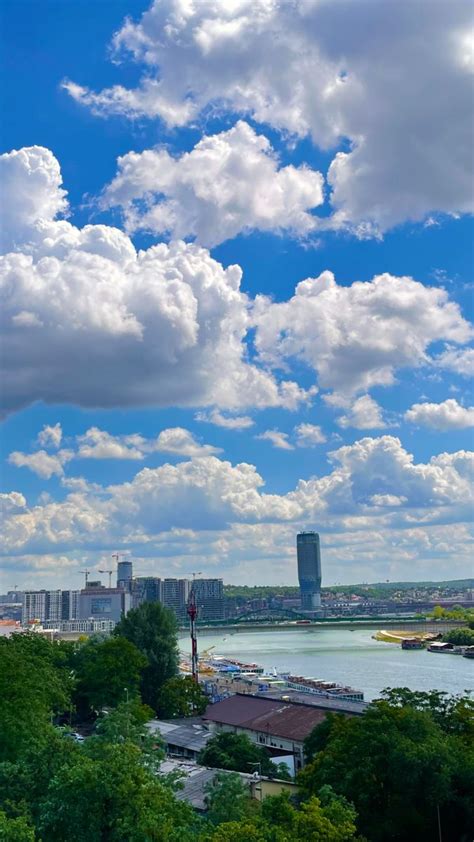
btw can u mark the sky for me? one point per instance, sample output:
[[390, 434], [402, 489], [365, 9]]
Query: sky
[[236, 274]]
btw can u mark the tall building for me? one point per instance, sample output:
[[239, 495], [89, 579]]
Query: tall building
[[175, 595], [99, 603], [309, 570], [125, 575], [146, 589], [209, 598], [49, 606]]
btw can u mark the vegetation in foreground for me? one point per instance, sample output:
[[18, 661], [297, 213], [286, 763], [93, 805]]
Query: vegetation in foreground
[[384, 776]]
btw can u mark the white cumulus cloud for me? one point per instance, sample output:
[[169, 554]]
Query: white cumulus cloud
[[51, 435], [357, 336], [387, 85], [230, 183], [277, 438], [111, 326], [448, 415], [364, 414], [309, 435], [42, 463], [229, 422]]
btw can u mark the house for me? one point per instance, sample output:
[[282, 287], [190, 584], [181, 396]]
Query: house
[[194, 780], [182, 737], [281, 726]]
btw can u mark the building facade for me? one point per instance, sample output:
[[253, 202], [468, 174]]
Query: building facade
[[209, 595], [146, 589], [175, 595], [49, 606], [125, 575], [100, 603], [309, 570]]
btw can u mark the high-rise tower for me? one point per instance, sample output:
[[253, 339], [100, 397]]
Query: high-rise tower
[[125, 575], [309, 570]]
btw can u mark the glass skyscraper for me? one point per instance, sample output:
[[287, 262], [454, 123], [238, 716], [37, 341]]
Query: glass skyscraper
[[309, 570]]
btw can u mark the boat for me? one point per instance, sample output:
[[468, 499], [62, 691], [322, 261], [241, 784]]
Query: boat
[[468, 652], [438, 646], [412, 643], [328, 689]]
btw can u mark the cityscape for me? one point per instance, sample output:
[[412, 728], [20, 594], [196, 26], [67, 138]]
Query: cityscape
[[98, 607], [236, 419]]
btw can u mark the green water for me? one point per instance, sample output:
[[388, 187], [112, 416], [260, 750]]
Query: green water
[[344, 655]]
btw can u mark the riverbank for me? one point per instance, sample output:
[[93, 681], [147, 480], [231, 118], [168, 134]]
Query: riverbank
[[344, 655]]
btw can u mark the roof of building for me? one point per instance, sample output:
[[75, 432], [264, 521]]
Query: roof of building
[[289, 720], [194, 780], [334, 705], [189, 735]]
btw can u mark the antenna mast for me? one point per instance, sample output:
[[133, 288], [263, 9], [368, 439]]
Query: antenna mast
[[192, 614]]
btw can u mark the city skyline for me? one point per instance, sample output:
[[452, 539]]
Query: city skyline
[[237, 290]]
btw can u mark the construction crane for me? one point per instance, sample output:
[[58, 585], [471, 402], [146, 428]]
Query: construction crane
[[110, 575], [86, 574]]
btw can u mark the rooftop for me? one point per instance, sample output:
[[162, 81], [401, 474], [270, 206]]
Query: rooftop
[[289, 720], [188, 734]]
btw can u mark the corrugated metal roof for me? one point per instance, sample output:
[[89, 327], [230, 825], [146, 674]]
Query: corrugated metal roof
[[269, 716], [192, 737]]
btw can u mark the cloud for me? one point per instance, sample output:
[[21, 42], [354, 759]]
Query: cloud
[[229, 422], [42, 463], [459, 360], [448, 415], [98, 444], [357, 336], [374, 496], [361, 78], [365, 414], [278, 439], [112, 326], [31, 194], [309, 435], [228, 184], [50, 435], [182, 442]]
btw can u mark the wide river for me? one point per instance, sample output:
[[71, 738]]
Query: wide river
[[348, 656]]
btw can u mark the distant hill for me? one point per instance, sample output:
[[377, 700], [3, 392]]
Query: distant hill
[[372, 589]]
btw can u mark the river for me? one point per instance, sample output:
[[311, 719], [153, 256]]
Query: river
[[347, 656]]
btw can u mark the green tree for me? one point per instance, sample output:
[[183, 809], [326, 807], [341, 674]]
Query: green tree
[[15, 830], [112, 797], [396, 765], [32, 691], [153, 630], [228, 799], [236, 752], [453, 714], [107, 672], [460, 637], [181, 696]]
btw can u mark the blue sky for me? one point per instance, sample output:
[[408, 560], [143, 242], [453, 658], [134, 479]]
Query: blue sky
[[169, 406]]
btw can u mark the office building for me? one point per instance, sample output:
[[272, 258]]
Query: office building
[[209, 595], [146, 589], [100, 603], [46, 606], [175, 595], [309, 570], [125, 575]]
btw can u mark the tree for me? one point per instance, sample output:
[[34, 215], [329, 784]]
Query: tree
[[460, 637], [396, 765], [453, 714], [236, 752], [153, 630], [228, 799], [108, 671], [181, 697], [15, 830], [114, 797], [32, 691]]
